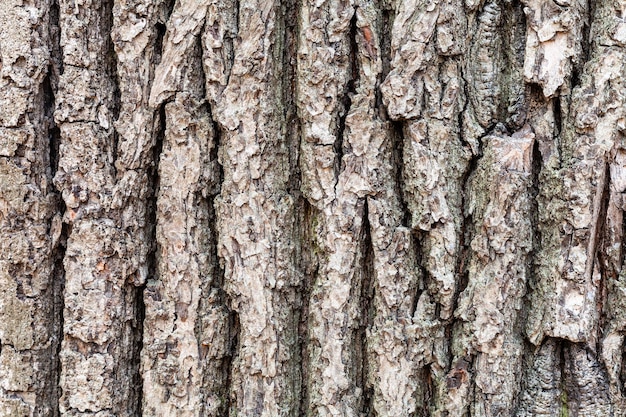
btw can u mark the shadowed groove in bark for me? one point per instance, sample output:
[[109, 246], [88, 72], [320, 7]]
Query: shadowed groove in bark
[[465, 237], [50, 86], [58, 282], [367, 312], [111, 67], [141, 314], [219, 277], [346, 100], [512, 106], [585, 381], [537, 166], [154, 250], [310, 269], [598, 246], [564, 403], [229, 365], [585, 41], [397, 133], [290, 10], [158, 42], [558, 119]]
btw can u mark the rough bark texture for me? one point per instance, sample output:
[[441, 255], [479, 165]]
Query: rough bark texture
[[312, 208]]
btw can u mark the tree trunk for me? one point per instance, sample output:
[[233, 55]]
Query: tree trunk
[[297, 208]]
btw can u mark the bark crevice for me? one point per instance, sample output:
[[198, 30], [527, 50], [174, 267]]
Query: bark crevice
[[367, 287]]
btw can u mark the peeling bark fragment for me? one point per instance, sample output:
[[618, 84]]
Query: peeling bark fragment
[[499, 203], [29, 219], [553, 41], [571, 207], [218, 37]]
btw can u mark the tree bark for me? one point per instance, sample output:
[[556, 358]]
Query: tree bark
[[316, 208]]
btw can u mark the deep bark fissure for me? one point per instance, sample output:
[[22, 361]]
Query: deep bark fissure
[[141, 314], [219, 276], [59, 304], [50, 88], [158, 42], [514, 20], [152, 256], [217, 283], [367, 312], [397, 132], [623, 244], [586, 46], [54, 133], [346, 99], [311, 269], [230, 362], [290, 10], [537, 166], [597, 256], [465, 234], [558, 117], [622, 371], [387, 17], [111, 64], [563, 383], [56, 55]]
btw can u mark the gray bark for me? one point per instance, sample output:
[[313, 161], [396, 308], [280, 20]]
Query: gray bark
[[329, 208]]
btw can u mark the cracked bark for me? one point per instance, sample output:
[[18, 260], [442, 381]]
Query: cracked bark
[[329, 208]]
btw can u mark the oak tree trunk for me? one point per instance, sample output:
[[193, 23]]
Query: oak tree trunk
[[312, 208]]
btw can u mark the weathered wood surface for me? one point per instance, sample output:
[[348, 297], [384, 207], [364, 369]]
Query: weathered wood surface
[[318, 208]]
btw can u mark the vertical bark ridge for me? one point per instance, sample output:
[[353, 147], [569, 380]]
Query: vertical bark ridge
[[570, 200], [324, 67], [245, 89], [134, 36], [30, 227], [491, 330], [607, 31], [364, 365], [106, 154], [185, 362], [310, 269], [82, 351], [426, 88]]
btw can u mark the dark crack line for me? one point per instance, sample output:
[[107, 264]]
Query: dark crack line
[[367, 310]]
